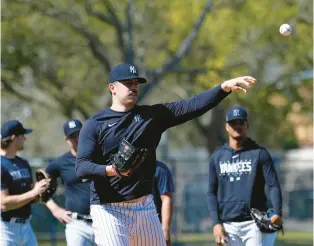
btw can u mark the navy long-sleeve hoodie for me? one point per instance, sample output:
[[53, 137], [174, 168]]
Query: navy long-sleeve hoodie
[[237, 180]]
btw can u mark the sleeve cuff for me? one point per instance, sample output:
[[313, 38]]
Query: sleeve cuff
[[278, 211], [100, 170], [215, 220], [224, 92], [216, 223]]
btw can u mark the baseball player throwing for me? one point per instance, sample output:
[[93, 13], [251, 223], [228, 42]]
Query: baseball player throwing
[[238, 172], [17, 191], [127, 135]]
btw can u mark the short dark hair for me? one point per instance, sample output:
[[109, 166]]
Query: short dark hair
[[5, 142]]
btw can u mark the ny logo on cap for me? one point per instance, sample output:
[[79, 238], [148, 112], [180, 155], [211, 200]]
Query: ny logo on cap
[[132, 69], [236, 112], [72, 124]]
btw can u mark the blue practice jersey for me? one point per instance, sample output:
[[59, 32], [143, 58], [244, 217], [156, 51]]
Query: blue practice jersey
[[142, 126], [16, 177], [76, 191], [163, 183]]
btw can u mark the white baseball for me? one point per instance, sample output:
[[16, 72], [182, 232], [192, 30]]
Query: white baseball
[[285, 29]]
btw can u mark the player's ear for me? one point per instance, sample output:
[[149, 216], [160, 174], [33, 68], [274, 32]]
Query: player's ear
[[111, 88]]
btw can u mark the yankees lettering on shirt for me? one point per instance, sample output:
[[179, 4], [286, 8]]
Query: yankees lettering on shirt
[[236, 184], [16, 177], [234, 170], [21, 174], [248, 172], [238, 173]]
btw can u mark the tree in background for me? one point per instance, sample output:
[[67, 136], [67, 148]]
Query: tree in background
[[57, 55]]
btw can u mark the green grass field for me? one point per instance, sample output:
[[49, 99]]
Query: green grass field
[[290, 238]]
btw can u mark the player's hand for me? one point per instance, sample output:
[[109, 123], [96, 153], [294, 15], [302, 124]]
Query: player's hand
[[220, 234], [126, 173], [62, 215], [110, 171], [167, 236], [238, 84], [276, 219], [41, 186]]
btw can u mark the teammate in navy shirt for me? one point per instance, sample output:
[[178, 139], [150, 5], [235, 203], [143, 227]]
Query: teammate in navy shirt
[[78, 231], [238, 172], [163, 187], [17, 190], [142, 126]]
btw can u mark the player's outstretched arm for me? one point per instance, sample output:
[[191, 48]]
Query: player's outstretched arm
[[178, 112]]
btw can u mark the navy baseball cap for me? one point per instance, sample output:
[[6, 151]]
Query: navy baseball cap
[[13, 127], [236, 113], [125, 72], [71, 126]]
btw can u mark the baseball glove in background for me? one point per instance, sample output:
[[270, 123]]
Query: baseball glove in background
[[128, 158], [48, 193], [263, 221]]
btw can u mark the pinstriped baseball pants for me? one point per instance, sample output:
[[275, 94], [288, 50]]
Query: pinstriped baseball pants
[[247, 234], [127, 224]]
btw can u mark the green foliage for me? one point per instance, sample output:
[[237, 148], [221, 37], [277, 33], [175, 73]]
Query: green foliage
[[244, 39], [57, 54]]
